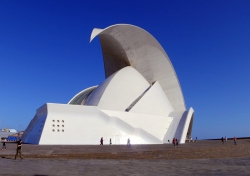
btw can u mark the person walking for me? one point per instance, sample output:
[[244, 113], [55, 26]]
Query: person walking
[[110, 141], [101, 141], [235, 140], [128, 142], [19, 149], [4, 145], [222, 140], [174, 142]]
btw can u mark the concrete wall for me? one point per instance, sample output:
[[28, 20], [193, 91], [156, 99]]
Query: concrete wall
[[127, 45]]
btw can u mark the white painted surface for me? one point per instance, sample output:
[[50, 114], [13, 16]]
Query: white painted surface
[[127, 45], [119, 90], [81, 92], [133, 61], [152, 124], [154, 102], [172, 129], [186, 125], [12, 130], [86, 125]]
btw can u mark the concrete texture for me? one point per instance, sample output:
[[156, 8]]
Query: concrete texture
[[128, 45]]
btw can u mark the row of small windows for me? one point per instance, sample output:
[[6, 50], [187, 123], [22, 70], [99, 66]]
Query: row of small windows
[[57, 125], [58, 121], [57, 130]]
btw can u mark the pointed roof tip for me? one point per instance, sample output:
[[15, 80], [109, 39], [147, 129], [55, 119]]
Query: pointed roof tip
[[94, 33]]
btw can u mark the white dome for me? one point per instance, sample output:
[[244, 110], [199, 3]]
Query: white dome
[[119, 90]]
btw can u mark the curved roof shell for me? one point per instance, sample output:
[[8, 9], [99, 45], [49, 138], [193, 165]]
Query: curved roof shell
[[119, 90], [81, 97], [127, 45]]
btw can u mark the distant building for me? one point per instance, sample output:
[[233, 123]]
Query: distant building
[[140, 99], [4, 133]]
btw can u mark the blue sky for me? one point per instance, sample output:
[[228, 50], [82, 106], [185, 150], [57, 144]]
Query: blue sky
[[45, 55]]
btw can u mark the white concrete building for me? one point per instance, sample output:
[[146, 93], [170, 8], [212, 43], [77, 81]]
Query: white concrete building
[[140, 99]]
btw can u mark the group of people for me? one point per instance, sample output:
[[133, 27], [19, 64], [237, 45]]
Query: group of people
[[101, 141], [110, 141], [224, 140], [175, 142], [18, 149]]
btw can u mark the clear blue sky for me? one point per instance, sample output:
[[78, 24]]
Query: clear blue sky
[[45, 55]]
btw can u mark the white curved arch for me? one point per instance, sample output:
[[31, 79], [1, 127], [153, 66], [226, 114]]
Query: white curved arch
[[127, 45], [82, 92]]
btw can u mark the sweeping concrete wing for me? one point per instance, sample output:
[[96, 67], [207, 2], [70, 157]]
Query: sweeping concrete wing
[[127, 45], [81, 97]]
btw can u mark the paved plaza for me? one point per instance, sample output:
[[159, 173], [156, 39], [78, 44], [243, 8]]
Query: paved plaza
[[35, 166], [67, 160]]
